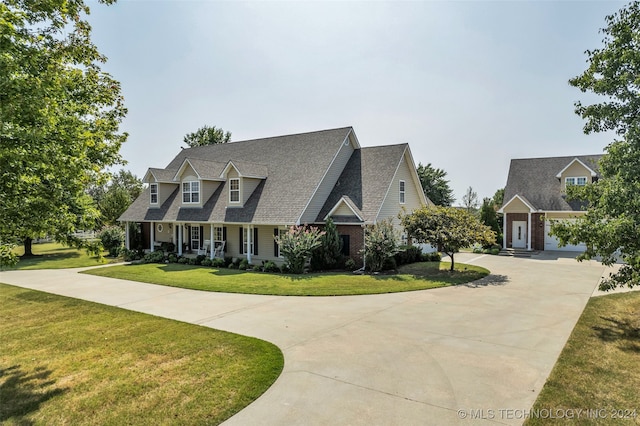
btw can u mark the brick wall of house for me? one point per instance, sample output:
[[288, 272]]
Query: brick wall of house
[[537, 231], [356, 240]]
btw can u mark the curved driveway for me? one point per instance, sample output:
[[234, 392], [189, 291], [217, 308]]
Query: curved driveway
[[471, 354]]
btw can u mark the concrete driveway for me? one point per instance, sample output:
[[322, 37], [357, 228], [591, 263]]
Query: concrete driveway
[[472, 354]]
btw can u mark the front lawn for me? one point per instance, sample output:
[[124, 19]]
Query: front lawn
[[67, 361], [55, 256], [597, 376], [417, 276]]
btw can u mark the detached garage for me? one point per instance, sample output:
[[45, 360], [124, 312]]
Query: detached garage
[[536, 195]]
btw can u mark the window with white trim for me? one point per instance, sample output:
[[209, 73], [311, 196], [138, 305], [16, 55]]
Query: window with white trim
[[234, 190], [195, 237], [153, 191], [218, 234], [281, 232], [191, 192], [579, 181], [401, 192]]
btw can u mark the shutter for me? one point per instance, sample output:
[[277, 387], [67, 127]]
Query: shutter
[[241, 249], [189, 237], [275, 243], [224, 233], [201, 236], [255, 241]]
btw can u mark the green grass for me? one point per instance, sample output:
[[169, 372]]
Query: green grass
[[55, 256], [599, 368], [66, 361], [417, 276]]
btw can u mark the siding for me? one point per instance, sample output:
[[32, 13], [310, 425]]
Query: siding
[[328, 183], [207, 189], [391, 205], [575, 170], [164, 191], [247, 186], [343, 210]]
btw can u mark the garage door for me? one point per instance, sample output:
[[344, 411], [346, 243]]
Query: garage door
[[551, 243]]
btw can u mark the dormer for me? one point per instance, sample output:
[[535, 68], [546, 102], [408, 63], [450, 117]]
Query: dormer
[[242, 179], [161, 185], [345, 211], [576, 173], [198, 180]]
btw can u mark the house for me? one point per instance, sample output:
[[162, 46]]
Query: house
[[536, 195], [236, 197]]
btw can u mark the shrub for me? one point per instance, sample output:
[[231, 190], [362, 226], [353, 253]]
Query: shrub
[[243, 265], [172, 258], [350, 264], [155, 257], [112, 238], [218, 263], [7, 257], [232, 266], [297, 244], [285, 269], [495, 251], [192, 261], [206, 262], [269, 266], [477, 249], [389, 264], [168, 247], [183, 260], [433, 257], [200, 258], [381, 243], [329, 254], [408, 254]]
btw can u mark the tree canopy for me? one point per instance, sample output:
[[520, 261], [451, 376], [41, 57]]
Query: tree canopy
[[60, 119], [115, 197], [470, 200], [447, 228], [434, 185], [207, 135], [611, 226]]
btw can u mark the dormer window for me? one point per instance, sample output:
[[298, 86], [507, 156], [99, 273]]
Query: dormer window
[[153, 191], [234, 190], [579, 181], [191, 192]]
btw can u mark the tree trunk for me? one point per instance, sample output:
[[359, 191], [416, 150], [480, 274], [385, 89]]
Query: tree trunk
[[452, 262], [27, 247]]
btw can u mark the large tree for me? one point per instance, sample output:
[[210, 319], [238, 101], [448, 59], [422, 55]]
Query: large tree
[[447, 228], [60, 119], [115, 197], [207, 135], [434, 184], [611, 226]]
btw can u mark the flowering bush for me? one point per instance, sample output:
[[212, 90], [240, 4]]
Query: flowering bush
[[380, 244], [297, 244]]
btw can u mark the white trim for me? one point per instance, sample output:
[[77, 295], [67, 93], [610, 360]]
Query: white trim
[[531, 208], [152, 237], [181, 169], [341, 201], [416, 178], [575, 179], [315, 191], [529, 231], [593, 174], [191, 191]]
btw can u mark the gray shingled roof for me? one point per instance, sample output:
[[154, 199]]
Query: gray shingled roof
[[365, 179], [210, 170], [535, 179], [296, 164], [163, 175]]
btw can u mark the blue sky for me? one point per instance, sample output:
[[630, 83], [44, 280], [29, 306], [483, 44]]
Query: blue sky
[[469, 85]]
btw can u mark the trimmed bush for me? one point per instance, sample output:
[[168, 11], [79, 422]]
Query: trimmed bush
[[183, 260], [243, 265], [350, 264], [172, 258], [112, 239], [206, 262], [217, 263], [200, 258], [227, 261], [408, 254], [155, 257]]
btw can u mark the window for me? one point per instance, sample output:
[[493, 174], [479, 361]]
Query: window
[[281, 232], [401, 192], [247, 247], [153, 189], [234, 190], [195, 237], [580, 181], [191, 192], [218, 234]]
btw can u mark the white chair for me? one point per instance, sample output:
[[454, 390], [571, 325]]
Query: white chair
[[219, 250], [205, 247]]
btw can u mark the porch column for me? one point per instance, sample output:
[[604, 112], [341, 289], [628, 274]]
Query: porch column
[[126, 236], [173, 234], [212, 243], [249, 244], [152, 235], [529, 230], [504, 230], [179, 239]]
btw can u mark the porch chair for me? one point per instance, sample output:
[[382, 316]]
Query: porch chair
[[205, 247], [219, 250]]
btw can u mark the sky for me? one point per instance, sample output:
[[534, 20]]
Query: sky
[[468, 85]]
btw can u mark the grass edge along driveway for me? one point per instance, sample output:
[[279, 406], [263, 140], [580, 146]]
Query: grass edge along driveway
[[67, 361], [597, 375], [416, 276]]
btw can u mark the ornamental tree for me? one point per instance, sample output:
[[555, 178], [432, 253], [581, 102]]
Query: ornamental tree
[[449, 229], [297, 245], [611, 226], [380, 243], [60, 117]]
